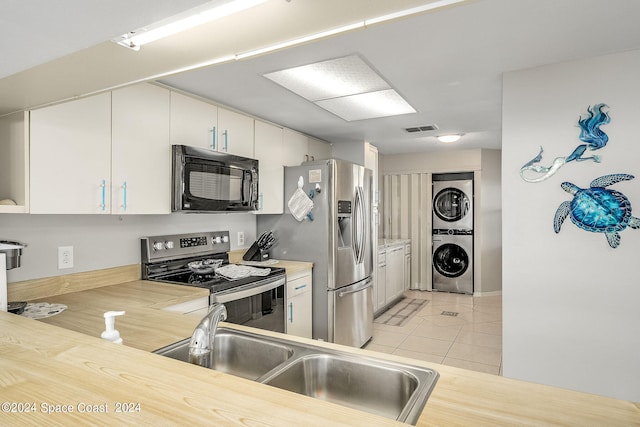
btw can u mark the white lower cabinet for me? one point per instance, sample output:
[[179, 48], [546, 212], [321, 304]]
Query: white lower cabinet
[[395, 273], [407, 266], [380, 291], [391, 280], [299, 305]]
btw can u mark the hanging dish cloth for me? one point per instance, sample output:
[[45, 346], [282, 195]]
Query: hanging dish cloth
[[300, 204]]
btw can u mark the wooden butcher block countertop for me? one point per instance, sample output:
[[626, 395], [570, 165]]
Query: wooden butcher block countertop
[[82, 379]]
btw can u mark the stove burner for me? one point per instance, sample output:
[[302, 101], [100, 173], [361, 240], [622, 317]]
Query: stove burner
[[197, 278]]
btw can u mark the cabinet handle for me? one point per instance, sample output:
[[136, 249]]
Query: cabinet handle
[[226, 140], [103, 187], [261, 201], [297, 288], [214, 138], [290, 312], [124, 196]]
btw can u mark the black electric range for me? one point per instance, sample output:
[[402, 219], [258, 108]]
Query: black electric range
[[166, 259]]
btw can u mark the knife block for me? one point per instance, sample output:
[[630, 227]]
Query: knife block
[[254, 253]]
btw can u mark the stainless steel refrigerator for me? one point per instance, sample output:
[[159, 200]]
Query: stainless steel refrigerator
[[336, 237]]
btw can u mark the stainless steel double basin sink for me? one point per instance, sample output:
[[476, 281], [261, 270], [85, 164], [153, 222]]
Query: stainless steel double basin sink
[[394, 390]]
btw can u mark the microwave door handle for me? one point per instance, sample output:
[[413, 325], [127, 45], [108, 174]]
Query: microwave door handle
[[254, 188], [248, 178]]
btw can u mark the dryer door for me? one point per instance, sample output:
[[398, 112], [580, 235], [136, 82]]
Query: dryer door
[[451, 204]]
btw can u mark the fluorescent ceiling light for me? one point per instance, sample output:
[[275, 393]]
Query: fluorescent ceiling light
[[412, 11], [449, 138], [184, 21], [369, 105], [346, 87]]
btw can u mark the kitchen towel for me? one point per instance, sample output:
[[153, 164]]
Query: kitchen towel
[[41, 310], [235, 271]]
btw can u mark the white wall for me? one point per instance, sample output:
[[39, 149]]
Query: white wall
[[433, 162], [104, 241], [570, 302], [489, 232]]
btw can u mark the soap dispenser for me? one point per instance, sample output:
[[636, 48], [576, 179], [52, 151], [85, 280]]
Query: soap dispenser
[[111, 333]]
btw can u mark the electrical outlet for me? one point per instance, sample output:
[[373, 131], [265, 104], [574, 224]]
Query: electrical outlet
[[240, 238], [65, 257]]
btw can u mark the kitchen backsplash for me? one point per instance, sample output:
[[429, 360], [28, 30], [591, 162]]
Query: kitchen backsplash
[[104, 241]]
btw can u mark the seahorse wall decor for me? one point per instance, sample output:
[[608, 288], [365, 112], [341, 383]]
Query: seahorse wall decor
[[591, 135]]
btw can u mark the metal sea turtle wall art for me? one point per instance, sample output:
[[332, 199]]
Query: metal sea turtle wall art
[[598, 209]]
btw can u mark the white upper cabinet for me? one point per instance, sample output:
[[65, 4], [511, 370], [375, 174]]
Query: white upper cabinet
[[318, 149], [269, 151], [302, 148], [235, 133], [14, 163], [201, 124], [295, 148], [104, 154], [193, 122], [70, 157], [140, 152]]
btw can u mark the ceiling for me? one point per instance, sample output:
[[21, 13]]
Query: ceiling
[[447, 63]]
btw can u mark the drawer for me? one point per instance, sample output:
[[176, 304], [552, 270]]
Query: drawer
[[298, 286]]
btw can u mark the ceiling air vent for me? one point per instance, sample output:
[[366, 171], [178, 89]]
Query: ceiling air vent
[[425, 128]]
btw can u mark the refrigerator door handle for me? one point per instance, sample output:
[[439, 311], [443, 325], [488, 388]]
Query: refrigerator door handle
[[355, 237], [361, 222], [368, 284]]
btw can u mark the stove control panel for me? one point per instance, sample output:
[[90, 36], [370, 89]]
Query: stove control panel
[[189, 242], [159, 248]]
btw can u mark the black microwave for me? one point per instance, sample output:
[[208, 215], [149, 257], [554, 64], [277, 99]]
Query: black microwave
[[209, 181]]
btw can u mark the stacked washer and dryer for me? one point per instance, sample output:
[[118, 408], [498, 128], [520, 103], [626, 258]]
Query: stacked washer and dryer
[[453, 232]]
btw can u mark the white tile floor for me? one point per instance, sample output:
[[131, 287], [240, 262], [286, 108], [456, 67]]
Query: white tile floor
[[470, 340]]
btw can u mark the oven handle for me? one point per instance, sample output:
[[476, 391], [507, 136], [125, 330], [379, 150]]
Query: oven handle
[[234, 295]]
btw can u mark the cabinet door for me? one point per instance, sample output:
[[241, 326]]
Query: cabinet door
[[295, 148], [193, 122], [70, 157], [407, 272], [235, 133], [299, 306], [317, 149], [141, 153], [382, 286], [395, 273], [269, 151]]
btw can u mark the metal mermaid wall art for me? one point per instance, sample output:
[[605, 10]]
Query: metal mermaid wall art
[[591, 135]]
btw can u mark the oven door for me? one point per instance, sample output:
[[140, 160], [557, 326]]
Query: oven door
[[259, 304]]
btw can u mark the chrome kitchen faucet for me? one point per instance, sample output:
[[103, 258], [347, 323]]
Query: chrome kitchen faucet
[[201, 344]]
